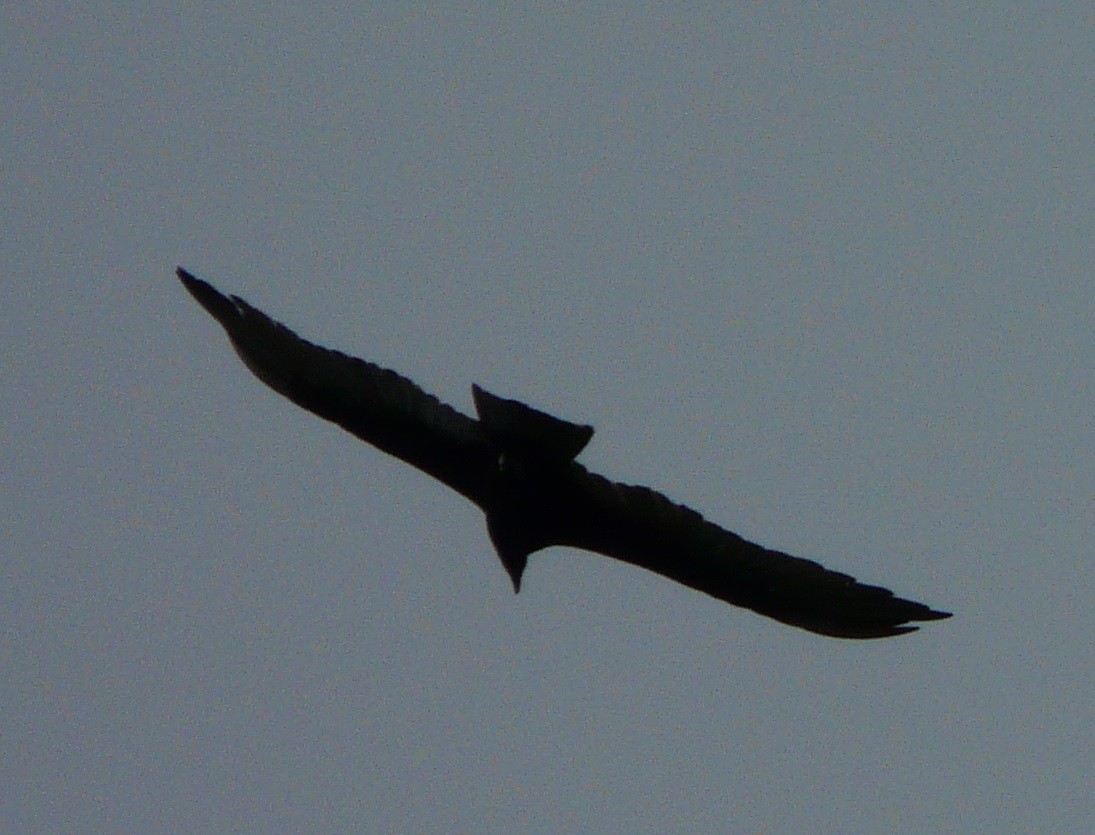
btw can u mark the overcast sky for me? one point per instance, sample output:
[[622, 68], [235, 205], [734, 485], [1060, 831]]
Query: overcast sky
[[822, 272]]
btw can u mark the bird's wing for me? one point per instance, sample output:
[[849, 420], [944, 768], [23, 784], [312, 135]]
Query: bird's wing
[[375, 404], [642, 527]]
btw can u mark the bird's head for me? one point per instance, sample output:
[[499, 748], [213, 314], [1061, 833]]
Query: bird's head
[[510, 544], [515, 568]]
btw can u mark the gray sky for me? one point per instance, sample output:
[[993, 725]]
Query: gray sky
[[822, 273]]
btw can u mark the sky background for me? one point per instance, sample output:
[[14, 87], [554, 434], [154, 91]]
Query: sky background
[[822, 272]]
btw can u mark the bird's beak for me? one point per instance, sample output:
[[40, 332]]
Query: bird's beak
[[515, 576]]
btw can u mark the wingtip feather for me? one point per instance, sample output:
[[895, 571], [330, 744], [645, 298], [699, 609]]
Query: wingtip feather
[[219, 306]]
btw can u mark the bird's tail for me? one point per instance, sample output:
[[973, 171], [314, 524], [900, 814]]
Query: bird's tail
[[515, 427]]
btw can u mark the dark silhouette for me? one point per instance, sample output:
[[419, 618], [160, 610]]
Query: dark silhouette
[[517, 464]]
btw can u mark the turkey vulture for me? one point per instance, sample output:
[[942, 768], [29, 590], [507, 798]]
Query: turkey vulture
[[517, 464]]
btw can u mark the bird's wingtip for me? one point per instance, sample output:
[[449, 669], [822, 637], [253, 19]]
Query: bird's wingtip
[[190, 281], [217, 304]]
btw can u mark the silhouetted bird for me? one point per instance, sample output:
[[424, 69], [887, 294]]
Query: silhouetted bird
[[517, 464]]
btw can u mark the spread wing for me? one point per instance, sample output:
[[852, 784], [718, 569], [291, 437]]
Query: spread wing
[[377, 405], [517, 464], [642, 527]]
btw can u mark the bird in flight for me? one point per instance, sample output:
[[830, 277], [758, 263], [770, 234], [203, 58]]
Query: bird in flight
[[518, 465]]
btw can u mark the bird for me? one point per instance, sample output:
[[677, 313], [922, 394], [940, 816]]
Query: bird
[[518, 465]]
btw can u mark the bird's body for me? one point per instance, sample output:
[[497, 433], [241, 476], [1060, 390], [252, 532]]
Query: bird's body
[[518, 464]]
